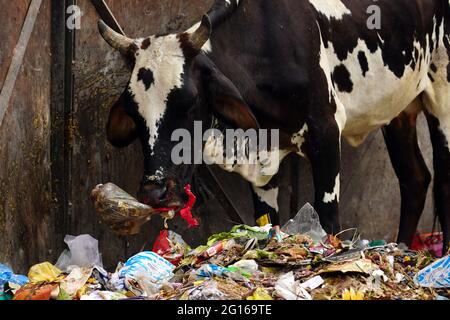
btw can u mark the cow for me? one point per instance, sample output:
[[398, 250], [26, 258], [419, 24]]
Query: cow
[[313, 69]]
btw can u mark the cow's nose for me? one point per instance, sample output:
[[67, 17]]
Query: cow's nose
[[152, 194]]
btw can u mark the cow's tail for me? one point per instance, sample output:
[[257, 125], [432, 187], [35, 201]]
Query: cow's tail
[[222, 9]]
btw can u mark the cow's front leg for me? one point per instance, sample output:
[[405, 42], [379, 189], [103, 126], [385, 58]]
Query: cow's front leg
[[265, 200], [322, 147]]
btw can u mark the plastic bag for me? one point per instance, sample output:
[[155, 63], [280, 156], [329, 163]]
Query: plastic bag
[[210, 271], [146, 270], [249, 266], [44, 272], [436, 275], [170, 246], [64, 260], [208, 290], [289, 289], [306, 222], [119, 210], [260, 233], [83, 252], [7, 275], [75, 281], [433, 242]]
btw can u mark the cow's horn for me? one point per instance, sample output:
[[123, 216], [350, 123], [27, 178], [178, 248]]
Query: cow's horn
[[114, 39], [200, 36]]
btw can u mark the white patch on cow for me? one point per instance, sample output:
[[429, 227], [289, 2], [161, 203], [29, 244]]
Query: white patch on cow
[[298, 139], [340, 115], [331, 8], [361, 111], [207, 47], [259, 174], [270, 197], [165, 59], [334, 195]]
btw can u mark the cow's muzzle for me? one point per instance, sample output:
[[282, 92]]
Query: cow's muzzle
[[159, 195]]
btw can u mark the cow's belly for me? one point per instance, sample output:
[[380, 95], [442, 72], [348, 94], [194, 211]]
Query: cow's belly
[[377, 95], [376, 104]]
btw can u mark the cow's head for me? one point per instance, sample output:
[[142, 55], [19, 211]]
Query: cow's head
[[173, 84]]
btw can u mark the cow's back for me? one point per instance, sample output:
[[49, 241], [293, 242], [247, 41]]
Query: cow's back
[[273, 52]]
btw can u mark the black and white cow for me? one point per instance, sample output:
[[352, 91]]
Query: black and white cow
[[313, 70]]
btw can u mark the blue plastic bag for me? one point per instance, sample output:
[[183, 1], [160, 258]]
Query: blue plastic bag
[[436, 275], [144, 273], [211, 270], [155, 267], [7, 275]]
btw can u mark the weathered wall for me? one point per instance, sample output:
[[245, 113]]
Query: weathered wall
[[26, 224], [30, 231]]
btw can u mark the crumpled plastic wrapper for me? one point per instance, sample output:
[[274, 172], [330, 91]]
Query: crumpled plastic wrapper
[[120, 211]]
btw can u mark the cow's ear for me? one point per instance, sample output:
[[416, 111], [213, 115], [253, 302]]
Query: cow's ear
[[121, 129], [227, 103]]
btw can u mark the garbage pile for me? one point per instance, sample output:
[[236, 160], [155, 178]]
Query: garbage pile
[[296, 262]]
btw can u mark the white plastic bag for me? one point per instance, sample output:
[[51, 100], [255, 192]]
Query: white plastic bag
[[289, 289], [83, 252]]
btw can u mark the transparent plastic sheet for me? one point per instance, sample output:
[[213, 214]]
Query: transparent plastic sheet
[[119, 210], [306, 222], [207, 291]]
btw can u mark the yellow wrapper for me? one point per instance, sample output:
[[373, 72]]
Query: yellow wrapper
[[263, 221], [352, 295], [260, 294], [43, 272]]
